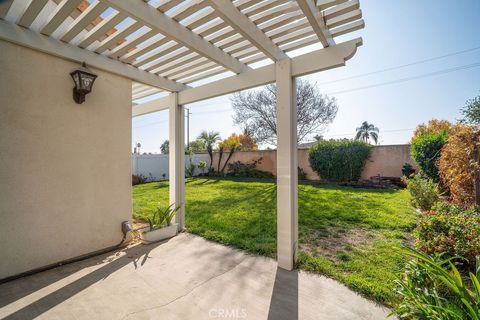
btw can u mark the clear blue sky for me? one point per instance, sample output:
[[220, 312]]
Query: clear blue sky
[[396, 33]]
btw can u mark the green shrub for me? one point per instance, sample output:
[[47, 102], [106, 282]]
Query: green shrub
[[425, 150], [339, 160], [407, 170], [138, 179], [450, 230], [425, 193], [431, 287], [190, 170], [247, 170]]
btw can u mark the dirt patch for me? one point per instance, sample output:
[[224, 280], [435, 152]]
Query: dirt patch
[[336, 243]]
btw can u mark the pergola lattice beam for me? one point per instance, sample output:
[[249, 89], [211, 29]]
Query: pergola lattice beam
[[4, 7], [167, 26], [28, 38], [323, 59], [244, 26], [315, 19], [31, 13], [58, 16]]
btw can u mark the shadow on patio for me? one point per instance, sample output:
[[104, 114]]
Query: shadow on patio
[[184, 278]]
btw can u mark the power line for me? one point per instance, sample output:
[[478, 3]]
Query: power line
[[425, 75], [440, 72], [402, 66], [381, 131]]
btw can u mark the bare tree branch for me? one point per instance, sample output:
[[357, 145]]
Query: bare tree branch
[[256, 112]]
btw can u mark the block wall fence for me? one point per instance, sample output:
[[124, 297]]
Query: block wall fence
[[386, 161]]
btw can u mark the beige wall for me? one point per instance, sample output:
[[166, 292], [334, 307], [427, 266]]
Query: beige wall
[[65, 184], [386, 161]]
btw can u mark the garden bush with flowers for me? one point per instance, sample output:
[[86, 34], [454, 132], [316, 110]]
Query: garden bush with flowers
[[446, 281]]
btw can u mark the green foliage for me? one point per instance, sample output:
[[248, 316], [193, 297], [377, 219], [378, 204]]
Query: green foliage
[[432, 288], [248, 170], [450, 230], [425, 193], [198, 146], [471, 111], [162, 217], [407, 170], [202, 165], [190, 170], [243, 215], [339, 160], [425, 150], [367, 131], [165, 147], [138, 179], [210, 139]]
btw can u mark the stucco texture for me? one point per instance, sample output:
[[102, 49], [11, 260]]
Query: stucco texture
[[386, 161], [65, 184]]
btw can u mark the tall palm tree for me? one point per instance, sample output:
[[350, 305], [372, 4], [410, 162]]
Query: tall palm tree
[[210, 139], [367, 131]]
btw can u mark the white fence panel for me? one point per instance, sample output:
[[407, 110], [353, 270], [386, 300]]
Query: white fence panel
[[155, 166]]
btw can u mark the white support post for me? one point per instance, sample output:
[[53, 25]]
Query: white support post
[[177, 158], [287, 182]]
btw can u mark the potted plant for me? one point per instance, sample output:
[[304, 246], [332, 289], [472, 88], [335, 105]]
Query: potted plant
[[160, 226], [407, 170]]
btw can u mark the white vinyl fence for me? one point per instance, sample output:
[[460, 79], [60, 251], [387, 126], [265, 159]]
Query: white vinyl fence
[[155, 166]]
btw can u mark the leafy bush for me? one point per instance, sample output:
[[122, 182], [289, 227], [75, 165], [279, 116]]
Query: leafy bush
[[427, 144], [339, 160], [424, 192], [450, 230], [138, 179], [457, 166], [433, 126], [202, 165], [432, 288], [238, 167], [426, 150], [190, 170], [247, 170], [407, 170]]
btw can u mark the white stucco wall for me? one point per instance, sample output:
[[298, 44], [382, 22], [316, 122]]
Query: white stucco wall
[[65, 172]]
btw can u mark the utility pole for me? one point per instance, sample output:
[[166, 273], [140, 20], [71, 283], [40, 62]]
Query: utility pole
[[188, 113]]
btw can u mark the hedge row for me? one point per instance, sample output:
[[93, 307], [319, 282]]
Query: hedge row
[[339, 160]]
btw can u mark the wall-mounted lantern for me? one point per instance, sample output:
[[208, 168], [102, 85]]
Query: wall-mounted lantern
[[83, 79]]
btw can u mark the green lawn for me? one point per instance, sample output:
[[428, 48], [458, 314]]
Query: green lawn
[[345, 233]]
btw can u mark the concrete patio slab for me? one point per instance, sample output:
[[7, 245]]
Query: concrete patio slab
[[186, 277]]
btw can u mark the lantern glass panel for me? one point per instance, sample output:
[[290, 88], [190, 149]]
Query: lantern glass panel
[[87, 82], [76, 79]]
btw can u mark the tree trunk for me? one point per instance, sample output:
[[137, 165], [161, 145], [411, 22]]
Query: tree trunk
[[210, 154], [220, 155], [228, 159]]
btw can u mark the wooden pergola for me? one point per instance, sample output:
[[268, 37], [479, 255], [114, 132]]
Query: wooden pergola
[[195, 50]]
